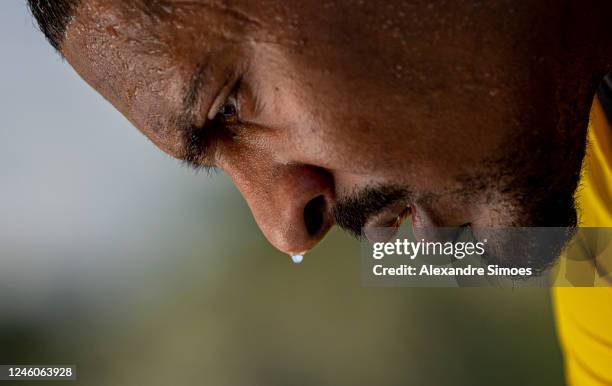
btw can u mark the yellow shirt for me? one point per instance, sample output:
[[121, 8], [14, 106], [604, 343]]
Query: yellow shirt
[[584, 315]]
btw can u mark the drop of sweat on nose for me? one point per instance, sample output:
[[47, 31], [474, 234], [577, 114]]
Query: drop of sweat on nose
[[297, 259]]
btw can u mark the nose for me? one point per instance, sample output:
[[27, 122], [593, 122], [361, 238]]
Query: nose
[[290, 202]]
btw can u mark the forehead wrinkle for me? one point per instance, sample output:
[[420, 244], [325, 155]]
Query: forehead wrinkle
[[163, 8]]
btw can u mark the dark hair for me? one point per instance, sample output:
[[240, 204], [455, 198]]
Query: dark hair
[[53, 17]]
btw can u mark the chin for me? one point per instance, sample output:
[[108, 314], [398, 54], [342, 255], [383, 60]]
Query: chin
[[524, 247]]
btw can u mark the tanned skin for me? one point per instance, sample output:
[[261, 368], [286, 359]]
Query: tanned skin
[[357, 112]]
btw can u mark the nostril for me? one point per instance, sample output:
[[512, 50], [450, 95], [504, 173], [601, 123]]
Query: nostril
[[314, 215]]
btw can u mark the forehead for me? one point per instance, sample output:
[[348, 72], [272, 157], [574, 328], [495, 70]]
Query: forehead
[[141, 55], [157, 19]]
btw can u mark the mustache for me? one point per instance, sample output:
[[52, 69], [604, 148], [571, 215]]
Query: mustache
[[353, 211]]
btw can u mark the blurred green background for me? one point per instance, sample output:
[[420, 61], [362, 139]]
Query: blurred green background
[[115, 258]]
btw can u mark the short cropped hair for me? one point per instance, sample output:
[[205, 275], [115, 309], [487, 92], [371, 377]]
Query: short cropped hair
[[52, 17]]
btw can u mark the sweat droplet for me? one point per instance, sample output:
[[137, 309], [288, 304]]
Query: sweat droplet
[[297, 259]]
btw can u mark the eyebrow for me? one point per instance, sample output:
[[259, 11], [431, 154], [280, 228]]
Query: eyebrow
[[195, 140]]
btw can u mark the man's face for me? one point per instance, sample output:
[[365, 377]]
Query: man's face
[[350, 112]]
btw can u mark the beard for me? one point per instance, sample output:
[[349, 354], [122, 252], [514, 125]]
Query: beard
[[530, 188]]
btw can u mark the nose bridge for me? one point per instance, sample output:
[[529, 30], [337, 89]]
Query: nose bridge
[[290, 202]]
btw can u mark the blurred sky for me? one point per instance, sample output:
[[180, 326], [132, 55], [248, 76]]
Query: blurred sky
[[117, 259]]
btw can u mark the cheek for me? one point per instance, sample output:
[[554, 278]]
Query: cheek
[[361, 129]]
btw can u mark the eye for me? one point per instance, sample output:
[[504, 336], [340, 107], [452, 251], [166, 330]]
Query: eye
[[228, 112]]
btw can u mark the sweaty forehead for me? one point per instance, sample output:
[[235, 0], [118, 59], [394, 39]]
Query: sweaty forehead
[[141, 55]]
